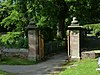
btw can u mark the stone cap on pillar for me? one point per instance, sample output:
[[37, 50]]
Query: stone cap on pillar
[[75, 24], [31, 25]]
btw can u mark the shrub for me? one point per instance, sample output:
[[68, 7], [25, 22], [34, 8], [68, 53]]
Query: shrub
[[14, 40], [95, 28]]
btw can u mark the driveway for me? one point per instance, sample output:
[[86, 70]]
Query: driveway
[[44, 68]]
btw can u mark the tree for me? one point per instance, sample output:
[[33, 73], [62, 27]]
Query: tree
[[51, 14], [87, 11]]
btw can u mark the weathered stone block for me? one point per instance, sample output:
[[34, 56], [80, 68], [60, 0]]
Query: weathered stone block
[[88, 55]]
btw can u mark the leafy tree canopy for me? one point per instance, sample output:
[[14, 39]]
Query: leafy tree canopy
[[55, 15]]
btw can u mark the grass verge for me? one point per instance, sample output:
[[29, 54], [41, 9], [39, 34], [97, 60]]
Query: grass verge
[[16, 61], [84, 67], [5, 73]]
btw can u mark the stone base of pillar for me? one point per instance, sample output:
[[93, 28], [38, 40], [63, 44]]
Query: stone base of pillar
[[75, 58], [32, 58]]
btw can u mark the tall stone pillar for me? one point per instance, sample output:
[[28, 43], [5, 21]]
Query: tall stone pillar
[[74, 33], [32, 41]]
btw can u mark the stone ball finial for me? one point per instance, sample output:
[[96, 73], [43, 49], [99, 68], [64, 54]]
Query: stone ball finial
[[75, 21], [31, 23]]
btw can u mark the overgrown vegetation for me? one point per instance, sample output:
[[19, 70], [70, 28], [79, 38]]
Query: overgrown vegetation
[[84, 67], [14, 40]]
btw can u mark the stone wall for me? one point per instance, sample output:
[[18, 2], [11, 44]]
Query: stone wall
[[21, 53], [88, 54]]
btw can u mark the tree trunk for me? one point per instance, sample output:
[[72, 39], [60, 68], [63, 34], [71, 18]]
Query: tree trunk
[[61, 18]]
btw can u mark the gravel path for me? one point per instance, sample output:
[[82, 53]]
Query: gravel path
[[44, 68]]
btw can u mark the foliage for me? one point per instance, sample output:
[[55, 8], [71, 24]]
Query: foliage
[[20, 13], [13, 20], [87, 11], [94, 27], [56, 15], [14, 40], [85, 67]]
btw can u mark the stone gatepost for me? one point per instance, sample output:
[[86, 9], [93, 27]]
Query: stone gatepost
[[74, 34], [32, 41]]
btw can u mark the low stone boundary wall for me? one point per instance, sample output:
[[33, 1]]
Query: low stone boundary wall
[[90, 54], [21, 53]]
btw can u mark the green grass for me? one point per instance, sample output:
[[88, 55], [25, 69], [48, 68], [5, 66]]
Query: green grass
[[5, 73], [16, 61], [85, 67]]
